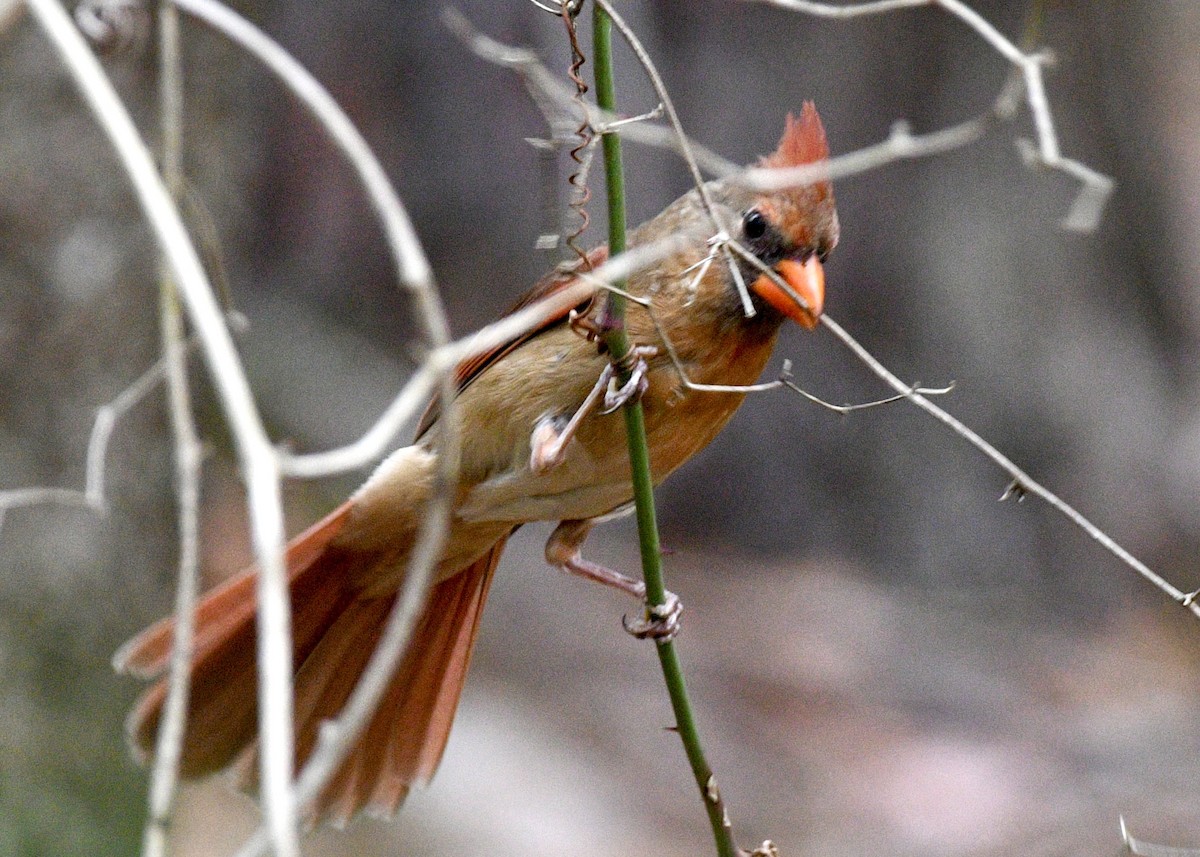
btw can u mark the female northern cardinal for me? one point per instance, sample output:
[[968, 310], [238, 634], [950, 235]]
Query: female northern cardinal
[[524, 458]]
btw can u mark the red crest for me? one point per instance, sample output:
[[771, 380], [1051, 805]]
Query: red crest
[[803, 141]]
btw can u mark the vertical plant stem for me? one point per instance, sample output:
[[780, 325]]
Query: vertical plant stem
[[618, 344]]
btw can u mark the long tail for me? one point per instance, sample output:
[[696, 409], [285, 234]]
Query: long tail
[[335, 631]]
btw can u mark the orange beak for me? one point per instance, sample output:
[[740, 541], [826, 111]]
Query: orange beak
[[802, 303]]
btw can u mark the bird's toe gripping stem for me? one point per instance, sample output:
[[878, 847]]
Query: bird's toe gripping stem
[[631, 390], [661, 622]]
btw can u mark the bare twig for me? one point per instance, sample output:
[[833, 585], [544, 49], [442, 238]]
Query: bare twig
[[901, 144], [188, 456], [259, 464], [92, 496], [1148, 849], [1024, 482], [412, 266], [1088, 207], [16, 498], [414, 273], [844, 410], [371, 445]]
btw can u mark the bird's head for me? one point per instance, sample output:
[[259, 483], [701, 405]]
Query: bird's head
[[791, 230]]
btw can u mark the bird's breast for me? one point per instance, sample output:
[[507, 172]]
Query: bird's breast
[[552, 376]]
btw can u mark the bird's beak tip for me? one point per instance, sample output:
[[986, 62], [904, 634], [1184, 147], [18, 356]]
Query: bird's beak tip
[[807, 280]]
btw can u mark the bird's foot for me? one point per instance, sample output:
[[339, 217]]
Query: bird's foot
[[631, 390], [661, 622]]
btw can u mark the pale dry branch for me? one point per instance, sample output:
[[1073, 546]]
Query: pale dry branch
[[1023, 482], [412, 266], [416, 275], [1140, 848], [553, 97], [188, 458], [260, 467], [900, 145], [844, 410], [1088, 207], [375, 442], [168, 749], [93, 495]]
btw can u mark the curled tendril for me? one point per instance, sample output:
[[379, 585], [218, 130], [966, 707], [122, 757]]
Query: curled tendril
[[578, 179]]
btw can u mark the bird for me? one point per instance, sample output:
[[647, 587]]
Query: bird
[[539, 441]]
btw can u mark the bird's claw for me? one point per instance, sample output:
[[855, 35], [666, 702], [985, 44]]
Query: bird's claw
[[661, 623], [638, 383]]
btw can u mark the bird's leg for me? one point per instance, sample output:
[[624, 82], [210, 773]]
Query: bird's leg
[[563, 551], [551, 434]]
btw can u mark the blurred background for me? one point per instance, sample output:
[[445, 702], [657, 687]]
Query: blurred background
[[884, 658]]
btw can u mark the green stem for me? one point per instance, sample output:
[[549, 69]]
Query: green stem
[[618, 344]]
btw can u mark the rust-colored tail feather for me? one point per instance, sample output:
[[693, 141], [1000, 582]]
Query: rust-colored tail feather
[[335, 631], [403, 743]]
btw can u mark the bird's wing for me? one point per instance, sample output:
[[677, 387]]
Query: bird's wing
[[473, 367]]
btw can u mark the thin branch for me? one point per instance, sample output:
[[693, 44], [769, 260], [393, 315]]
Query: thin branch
[[92, 496], [901, 143], [1024, 483], [1140, 848], [188, 456], [915, 389], [1088, 207], [374, 443], [412, 265], [413, 269], [38, 496], [258, 461]]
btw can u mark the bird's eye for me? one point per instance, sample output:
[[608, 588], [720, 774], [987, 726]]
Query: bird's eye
[[754, 225]]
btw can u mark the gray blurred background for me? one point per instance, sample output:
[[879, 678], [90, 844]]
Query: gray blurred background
[[884, 658]]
